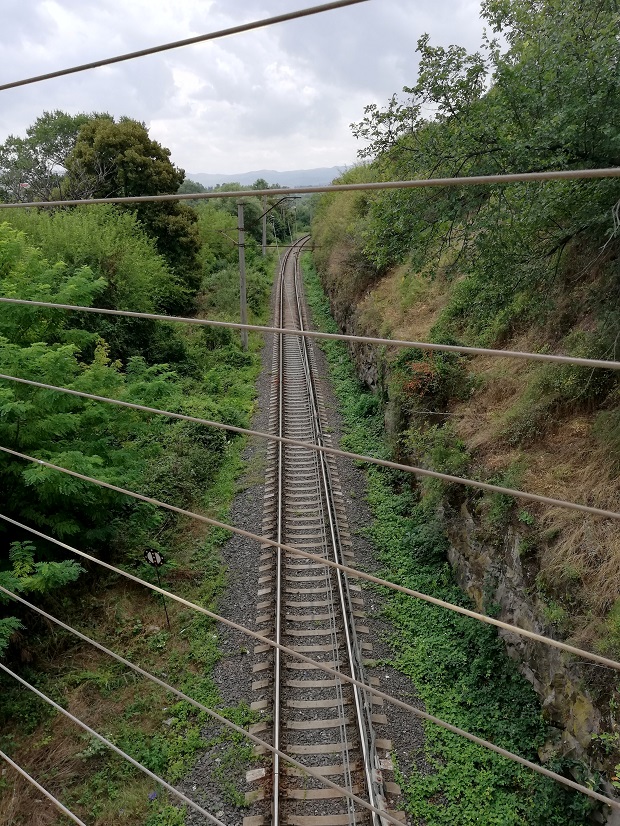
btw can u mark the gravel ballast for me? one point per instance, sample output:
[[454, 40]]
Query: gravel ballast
[[234, 675]]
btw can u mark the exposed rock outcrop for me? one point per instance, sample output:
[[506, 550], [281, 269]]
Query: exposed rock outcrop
[[492, 572]]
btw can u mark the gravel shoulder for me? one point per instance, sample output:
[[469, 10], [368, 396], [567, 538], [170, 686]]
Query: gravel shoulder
[[233, 673]]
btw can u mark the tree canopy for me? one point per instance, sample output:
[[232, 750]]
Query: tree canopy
[[548, 98], [86, 156]]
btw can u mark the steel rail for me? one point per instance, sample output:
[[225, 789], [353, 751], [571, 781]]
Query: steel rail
[[43, 791], [364, 723], [181, 695], [385, 342], [291, 254], [327, 515], [417, 183], [188, 41], [562, 646], [277, 663], [322, 448], [344, 677], [211, 818]]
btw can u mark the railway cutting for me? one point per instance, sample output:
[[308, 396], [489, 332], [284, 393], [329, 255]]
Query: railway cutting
[[321, 721]]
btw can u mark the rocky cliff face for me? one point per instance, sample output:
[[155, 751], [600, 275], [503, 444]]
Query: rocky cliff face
[[497, 579], [494, 578]]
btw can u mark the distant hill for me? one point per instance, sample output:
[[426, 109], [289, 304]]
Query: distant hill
[[296, 177]]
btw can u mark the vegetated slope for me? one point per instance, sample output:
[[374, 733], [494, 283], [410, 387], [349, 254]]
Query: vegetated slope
[[524, 267], [104, 256], [457, 665]]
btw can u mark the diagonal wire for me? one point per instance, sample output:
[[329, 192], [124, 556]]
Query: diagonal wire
[[114, 748], [570, 649], [322, 667], [189, 41], [470, 180], [387, 342], [228, 723], [43, 791], [333, 451], [418, 471]]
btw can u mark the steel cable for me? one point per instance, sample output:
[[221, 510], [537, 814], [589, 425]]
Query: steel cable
[[562, 646], [418, 183], [43, 791], [322, 667], [114, 748], [189, 41], [321, 448], [220, 719], [386, 342], [579, 174]]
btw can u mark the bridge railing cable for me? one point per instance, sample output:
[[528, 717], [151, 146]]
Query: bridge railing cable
[[201, 707], [416, 183], [569, 649], [345, 454], [462, 349], [171, 789], [41, 789], [501, 179], [326, 669], [188, 41]]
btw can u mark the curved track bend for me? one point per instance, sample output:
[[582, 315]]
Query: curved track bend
[[323, 722]]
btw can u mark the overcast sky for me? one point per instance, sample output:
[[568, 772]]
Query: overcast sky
[[279, 98]]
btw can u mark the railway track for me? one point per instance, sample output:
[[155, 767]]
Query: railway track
[[321, 721]]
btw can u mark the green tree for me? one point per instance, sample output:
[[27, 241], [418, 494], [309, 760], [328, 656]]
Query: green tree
[[35, 167], [550, 100], [120, 159]]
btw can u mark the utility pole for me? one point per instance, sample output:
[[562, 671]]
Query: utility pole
[[242, 289], [264, 216]]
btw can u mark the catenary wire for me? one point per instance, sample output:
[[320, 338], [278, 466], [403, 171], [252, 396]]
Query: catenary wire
[[189, 41], [43, 791], [417, 183], [331, 563], [338, 674], [358, 457], [229, 724], [387, 342], [114, 748]]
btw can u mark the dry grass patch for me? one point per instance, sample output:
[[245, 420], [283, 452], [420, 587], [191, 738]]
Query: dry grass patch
[[578, 555], [404, 305]]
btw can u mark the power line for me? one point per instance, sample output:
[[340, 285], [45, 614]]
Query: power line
[[326, 669], [387, 342], [307, 770], [43, 791], [300, 552], [469, 180], [114, 748], [189, 41]]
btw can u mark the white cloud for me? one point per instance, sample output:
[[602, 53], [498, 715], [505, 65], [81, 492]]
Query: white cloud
[[281, 97]]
